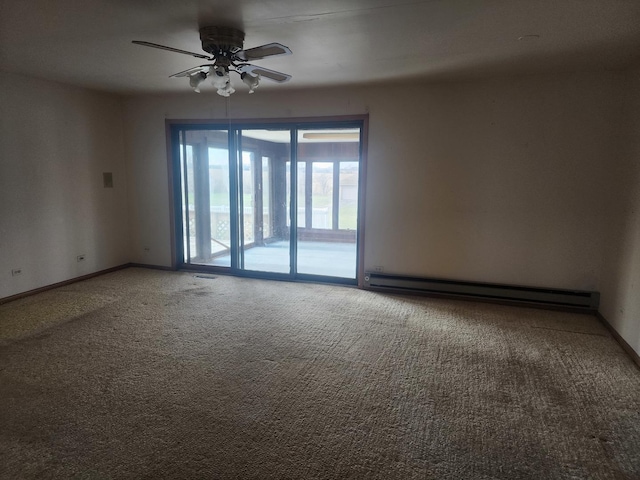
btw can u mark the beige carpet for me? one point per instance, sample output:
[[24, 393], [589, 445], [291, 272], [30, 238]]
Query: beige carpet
[[147, 374]]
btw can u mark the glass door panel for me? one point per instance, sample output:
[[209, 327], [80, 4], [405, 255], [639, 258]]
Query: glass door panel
[[204, 162], [328, 167], [220, 206], [265, 192]]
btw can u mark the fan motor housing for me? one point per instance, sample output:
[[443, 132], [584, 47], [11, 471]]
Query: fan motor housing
[[225, 39]]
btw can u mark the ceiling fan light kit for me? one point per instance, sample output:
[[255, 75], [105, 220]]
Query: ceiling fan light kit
[[196, 79], [225, 46], [252, 81], [220, 79]]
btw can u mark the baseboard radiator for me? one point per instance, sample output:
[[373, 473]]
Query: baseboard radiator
[[574, 299]]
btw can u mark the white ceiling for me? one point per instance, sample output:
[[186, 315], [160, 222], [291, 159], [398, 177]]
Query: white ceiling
[[334, 42]]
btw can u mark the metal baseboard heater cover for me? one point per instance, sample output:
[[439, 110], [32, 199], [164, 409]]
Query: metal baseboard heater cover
[[486, 291]]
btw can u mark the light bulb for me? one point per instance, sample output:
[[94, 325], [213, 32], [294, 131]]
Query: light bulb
[[222, 82], [252, 81], [196, 79]]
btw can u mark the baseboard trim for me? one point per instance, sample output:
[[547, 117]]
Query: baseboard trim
[[28, 293], [623, 343], [153, 267]]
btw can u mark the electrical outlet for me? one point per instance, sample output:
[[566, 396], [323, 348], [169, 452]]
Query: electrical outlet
[[80, 258], [16, 271], [379, 268]]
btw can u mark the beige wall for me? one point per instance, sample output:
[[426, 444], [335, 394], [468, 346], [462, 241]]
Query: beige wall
[[495, 181], [55, 142], [620, 286]]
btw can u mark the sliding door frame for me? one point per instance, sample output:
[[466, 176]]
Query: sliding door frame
[[174, 127]]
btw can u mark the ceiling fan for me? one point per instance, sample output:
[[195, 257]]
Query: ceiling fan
[[225, 48]]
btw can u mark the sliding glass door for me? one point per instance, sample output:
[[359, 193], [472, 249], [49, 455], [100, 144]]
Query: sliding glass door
[[280, 201], [328, 171], [206, 197], [266, 242]]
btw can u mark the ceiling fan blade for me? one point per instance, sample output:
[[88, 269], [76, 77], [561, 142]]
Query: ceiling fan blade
[[264, 72], [191, 71], [170, 49], [268, 50]]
